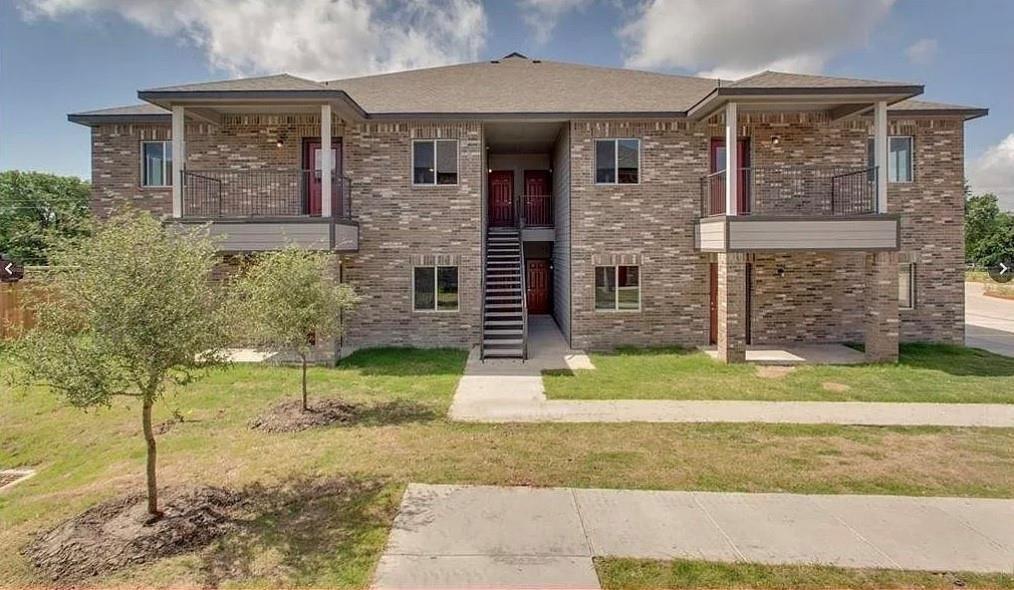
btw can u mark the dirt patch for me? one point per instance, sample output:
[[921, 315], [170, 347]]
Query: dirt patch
[[773, 371], [113, 535], [10, 476], [835, 387], [289, 416]]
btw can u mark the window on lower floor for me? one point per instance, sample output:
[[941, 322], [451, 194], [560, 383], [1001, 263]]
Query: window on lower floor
[[899, 157], [617, 288], [906, 286], [435, 288], [156, 163], [617, 161], [435, 161]]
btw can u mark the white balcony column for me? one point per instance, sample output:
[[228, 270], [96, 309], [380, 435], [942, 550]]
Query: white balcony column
[[326, 165], [179, 158], [731, 159], [880, 153]]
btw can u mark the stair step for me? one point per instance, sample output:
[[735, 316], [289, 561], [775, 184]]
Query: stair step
[[504, 334], [504, 305], [502, 324], [518, 291], [502, 343], [516, 315]]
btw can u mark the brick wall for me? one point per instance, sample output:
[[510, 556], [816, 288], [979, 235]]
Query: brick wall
[[821, 295], [401, 225], [652, 221]]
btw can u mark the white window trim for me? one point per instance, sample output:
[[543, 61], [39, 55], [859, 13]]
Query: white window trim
[[436, 273], [887, 171], [616, 162], [911, 285], [616, 296], [166, 174], [434, 140]]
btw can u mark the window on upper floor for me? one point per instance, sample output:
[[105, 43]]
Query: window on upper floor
[[156, 163], [435, 288], [899, 157], [434, 161], [617, 161], [906, 285], [617, 288]]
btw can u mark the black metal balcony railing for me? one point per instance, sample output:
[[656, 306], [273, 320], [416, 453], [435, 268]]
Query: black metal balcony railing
[[797, 191], [538, 210], [262, 193]]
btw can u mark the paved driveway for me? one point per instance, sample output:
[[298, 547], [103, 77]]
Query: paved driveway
[[989, 321]]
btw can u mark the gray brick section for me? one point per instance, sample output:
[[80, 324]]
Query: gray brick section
[[561, 221]]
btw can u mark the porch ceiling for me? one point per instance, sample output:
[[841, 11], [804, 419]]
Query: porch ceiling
[[522, 137]]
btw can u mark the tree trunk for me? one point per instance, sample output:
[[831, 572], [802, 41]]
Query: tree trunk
[[305, 407], [149, 438]]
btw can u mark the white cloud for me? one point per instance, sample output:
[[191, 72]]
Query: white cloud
[[733, 38], [318, 39], [541, 16], [922, 51], [993, 172]]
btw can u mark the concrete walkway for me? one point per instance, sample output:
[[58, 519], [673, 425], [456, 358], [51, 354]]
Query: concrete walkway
[[989, 321], [483, 537], [512, 391]]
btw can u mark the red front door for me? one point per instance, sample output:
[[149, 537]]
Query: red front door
[[312, 162], [717, 158], [537, 283], [501, 198], [538, 205]]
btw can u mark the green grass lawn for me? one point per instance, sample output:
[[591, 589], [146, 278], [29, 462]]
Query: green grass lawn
[[632, 574], [402, 436], [924, 373]]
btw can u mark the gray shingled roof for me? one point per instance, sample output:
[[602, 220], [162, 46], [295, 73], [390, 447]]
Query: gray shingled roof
[[521, 85], [276, 82], [770, 79]]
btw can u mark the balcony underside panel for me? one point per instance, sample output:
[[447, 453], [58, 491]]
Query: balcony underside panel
[[263, 235], [754, 233]]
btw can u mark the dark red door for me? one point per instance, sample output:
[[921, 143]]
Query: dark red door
[[537, 282], [312, 162], [713, 325], [717, 158], [538, 203], [501, 198]]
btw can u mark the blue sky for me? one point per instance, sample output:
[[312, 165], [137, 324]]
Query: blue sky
[[60, 56]]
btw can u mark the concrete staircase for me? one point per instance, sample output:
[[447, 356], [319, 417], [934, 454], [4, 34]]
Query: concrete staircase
[[504, 312]]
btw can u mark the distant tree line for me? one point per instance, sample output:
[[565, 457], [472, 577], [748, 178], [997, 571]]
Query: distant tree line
[[989, 232], [37, 208]]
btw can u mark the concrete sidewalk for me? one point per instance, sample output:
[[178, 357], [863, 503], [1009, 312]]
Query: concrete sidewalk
[[479, 536]]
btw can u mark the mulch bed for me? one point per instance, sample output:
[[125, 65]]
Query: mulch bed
[[113, 535], [289, 416]]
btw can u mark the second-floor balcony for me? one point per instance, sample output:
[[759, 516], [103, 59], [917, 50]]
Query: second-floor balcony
[[803, 191], [794, 208], [264, 209]]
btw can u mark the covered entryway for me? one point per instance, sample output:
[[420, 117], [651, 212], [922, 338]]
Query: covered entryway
[[312, 163]]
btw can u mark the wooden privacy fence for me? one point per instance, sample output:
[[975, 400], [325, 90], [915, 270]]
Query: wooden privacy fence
[[16, 301]]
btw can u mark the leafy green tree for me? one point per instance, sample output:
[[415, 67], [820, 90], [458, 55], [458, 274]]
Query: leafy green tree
[[989, 232], [37, 208], [291, 299], [131, 311]]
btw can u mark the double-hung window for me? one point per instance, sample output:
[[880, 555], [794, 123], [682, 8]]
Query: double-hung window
[[434, 161], [617, 288], [899, 157], [156, 163], [435, 288], [617, 161], [906, 285]]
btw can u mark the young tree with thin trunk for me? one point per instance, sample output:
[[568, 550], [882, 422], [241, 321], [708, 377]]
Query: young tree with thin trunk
[[131, 311], [291, 300]]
